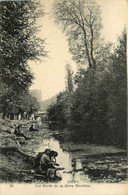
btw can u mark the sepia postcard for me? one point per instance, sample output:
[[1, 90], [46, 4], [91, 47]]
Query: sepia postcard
[[63, 94]]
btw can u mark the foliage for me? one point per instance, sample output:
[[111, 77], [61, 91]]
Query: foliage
[[61, 110], [98, 103], [81, 21], [56, 111], [117, 100], [19, 44], [69, 78], [19, 104], [96, 110], [46, 103]]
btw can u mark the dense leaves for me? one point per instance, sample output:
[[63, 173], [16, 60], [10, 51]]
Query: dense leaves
[[22, 103], [97, 107], [69, 78], [19, 44]]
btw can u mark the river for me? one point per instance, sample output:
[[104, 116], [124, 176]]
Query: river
[[65, 161], [81, 162], [85, 163]]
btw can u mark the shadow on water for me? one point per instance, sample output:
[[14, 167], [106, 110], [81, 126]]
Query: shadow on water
[[73, 170]]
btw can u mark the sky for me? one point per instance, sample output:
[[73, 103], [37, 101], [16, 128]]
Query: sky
[[50, 73]]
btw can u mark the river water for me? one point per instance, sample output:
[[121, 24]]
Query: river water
[[100, 169], [73, 170]]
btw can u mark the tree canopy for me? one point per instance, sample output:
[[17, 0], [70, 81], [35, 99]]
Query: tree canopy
[[20, 44], [97, 113], [81, 21]]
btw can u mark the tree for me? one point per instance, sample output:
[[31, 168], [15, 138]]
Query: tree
[[19, 42], [69, 79], [16, 104], [56, 110], [81, 20], [117, 99], [101, 109], [27, 103]]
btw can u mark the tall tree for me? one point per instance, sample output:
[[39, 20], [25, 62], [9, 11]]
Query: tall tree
[[19, 42], [81, 20], [117, 99], [69, 78]]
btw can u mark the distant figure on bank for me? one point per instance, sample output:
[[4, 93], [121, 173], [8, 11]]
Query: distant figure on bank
[[18, 132], [32, 128]]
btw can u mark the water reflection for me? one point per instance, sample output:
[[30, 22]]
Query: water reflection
[[73, 169]]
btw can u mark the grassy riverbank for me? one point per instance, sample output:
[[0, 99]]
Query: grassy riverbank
[[90, 149], [17, 154], [101, 163]]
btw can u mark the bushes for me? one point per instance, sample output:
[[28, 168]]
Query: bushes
[[96, 110]]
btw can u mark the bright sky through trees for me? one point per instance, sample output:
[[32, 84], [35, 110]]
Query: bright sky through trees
[[50, 74]]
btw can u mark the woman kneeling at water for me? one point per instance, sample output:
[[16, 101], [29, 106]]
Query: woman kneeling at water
[[47, 163], [53, 155], [48, 159]]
